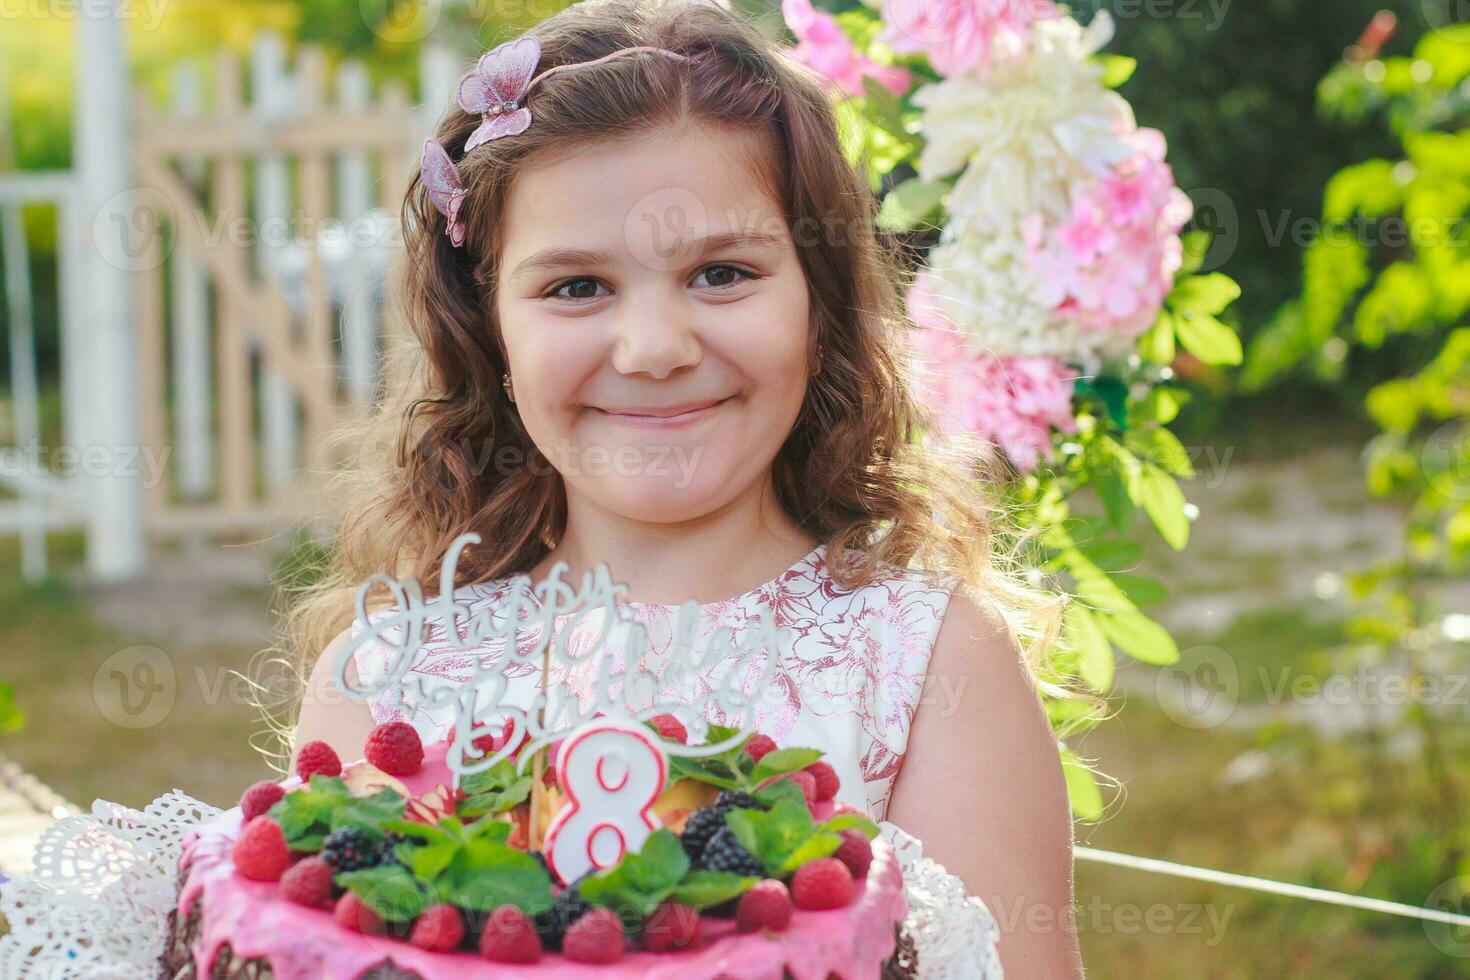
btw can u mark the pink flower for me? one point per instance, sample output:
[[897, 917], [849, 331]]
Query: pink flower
[[960, 36], [1110, 265], [823, 47], [1014, 402]]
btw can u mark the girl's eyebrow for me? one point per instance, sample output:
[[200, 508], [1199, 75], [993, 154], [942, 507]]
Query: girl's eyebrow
[[558, 258]]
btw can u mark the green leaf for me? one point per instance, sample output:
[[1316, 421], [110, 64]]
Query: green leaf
[[1209, 293], [1159, 495], [778, 762], [496, 801], [781, 789], [486, 874], [908, 204], [1139, 637], [822, 843], [1196, 246], [389, 890], [642, 880], [1157, 344], [1208, 339], [705, 770], [1082, 789], [780, 835], [307, 814], [702, 888], [1117, 69], [1085, 637], [851, 821]]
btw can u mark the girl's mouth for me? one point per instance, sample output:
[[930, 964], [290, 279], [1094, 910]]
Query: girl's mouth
[[671, 417]]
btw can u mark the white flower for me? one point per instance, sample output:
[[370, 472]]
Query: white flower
[[1027, 132]]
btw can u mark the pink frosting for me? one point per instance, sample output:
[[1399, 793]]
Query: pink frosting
[[301, 943]]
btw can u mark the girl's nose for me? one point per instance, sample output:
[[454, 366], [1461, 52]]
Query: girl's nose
[[653, 335]]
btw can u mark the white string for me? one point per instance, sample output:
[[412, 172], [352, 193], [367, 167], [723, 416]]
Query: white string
[[1270, 887]]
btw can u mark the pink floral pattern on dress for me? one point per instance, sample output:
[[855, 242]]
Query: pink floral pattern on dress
[[854, 659]]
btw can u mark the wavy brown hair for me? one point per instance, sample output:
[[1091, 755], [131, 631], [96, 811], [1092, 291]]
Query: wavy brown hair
[[853, 470]]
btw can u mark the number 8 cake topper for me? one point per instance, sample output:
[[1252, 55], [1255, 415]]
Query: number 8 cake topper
[[726, 668]]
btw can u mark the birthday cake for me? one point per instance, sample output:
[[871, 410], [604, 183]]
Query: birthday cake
[[621, 858]]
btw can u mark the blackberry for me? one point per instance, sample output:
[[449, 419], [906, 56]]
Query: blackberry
[[725, 853], [732, 799], [350, 849], [553, 924], [698, 829]]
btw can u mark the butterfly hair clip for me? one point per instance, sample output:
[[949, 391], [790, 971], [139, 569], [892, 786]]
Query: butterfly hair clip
[[495, 90]]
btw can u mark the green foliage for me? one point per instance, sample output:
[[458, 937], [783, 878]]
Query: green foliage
[[12, 719], [782, 838], [308, 814], [640, 881], [472, 866], [495, 790]]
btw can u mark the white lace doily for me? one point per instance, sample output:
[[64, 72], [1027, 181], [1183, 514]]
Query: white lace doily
[[954, 933], [96, 906], [97, 903]]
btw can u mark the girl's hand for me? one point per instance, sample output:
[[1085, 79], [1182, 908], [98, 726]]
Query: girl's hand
[[981, 788], [327, 714]]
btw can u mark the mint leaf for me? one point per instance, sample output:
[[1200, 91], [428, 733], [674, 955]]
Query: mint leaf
[[781, 761], [710, 770], [781, 835], [852, 821], [495, 801], [702, 888], [389, 890], [308, 814], [822, 843], [485, 874], [781, 789], [642, 880]]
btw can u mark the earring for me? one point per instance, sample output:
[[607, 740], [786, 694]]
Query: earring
[[505, 383]]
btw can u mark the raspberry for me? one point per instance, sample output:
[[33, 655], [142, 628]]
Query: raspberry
[[670, 728], [317, 759], [260, 852], [822, 884], [672, 926], [767, 905], [438, 929], [308, 882], [351, 913], [856, 852], [803, 779], [509, 937], [825, 777], [596, 937], [394, 747], [725, 853], [260, 798], [758, 745]]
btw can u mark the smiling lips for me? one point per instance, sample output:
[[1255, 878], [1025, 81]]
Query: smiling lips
[[671, 417]]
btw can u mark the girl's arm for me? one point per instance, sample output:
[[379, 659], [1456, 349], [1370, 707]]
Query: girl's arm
[[328, 715], [981, 788]]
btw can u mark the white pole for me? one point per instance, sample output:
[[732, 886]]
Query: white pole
[[439, 71], [354, 201], [270, 87], [23, 389], [100, 141], [190, 315]]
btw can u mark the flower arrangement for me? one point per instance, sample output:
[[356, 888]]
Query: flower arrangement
[[1051, 305]]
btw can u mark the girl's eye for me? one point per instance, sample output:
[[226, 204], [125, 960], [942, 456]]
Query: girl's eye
[[719, 277], [574, 284], [726, 276]]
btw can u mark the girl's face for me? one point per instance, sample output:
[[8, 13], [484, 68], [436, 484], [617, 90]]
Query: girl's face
[[655, 314]]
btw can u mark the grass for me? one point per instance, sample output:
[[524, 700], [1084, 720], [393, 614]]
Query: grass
[[77, 681]]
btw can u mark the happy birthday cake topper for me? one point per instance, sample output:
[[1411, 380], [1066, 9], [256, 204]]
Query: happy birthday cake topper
[[694, 680]]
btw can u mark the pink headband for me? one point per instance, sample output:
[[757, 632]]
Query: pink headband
[[495, 89]]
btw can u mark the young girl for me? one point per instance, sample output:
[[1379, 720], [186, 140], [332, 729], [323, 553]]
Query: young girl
[[654, 329]]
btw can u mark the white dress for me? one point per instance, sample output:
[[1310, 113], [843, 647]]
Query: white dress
[[851, 664]]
